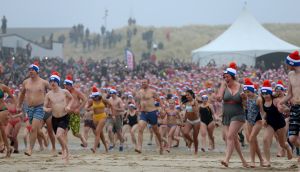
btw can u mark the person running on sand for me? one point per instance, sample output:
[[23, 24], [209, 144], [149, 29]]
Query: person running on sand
[[146, 103], [33, 91], [4, 113], [78, 103], [274, 122], [88, 123], [14, 123], [207, 115], [254, 120], [278, 96], [172, 123], [98, 105], [59, 101], [131, 118], [192, 120], [231, 92], [116, 119], [293, 95]]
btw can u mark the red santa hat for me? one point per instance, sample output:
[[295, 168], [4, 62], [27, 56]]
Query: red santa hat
[[55, 76], [293, 59], [266, 88], [69, 80], [248, 85], [280, 85], [95, 92], [231, 70], [35, 66]]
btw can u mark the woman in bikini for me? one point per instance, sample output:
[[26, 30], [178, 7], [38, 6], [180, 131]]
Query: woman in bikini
[[274, 122], [172, 123], [231, 92], [207, 126], [98, 105], [14, 123], [4, 113], [192, 119]]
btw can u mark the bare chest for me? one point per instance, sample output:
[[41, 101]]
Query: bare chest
[[35, 88], [115, 102], [295, 81], [57, 98], [145, 95]]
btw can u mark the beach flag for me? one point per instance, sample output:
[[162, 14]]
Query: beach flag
[[129, 59]]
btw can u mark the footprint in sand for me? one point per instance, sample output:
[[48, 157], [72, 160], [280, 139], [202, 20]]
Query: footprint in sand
[[49, 160]]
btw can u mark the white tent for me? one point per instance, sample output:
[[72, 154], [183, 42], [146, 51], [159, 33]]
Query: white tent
[[242, 42]]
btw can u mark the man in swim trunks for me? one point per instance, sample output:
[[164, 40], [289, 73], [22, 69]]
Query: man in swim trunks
[[116, 122], [58, 101], [78, 103], [33, 91], [146, 101], [293, 95]]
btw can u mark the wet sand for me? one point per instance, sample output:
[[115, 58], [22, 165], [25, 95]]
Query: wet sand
[[178, 160]]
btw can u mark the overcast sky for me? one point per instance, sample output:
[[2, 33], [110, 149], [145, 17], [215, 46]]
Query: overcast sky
[[65, 13]]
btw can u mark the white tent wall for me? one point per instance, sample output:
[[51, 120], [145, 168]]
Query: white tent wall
[[224, 58], [242, 42]]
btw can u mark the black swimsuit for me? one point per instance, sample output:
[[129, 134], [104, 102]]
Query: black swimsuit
[[132, 120], [274, 118], [205, 115]]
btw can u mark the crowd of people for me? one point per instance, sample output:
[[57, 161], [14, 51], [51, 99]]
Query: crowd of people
[[175, 100]]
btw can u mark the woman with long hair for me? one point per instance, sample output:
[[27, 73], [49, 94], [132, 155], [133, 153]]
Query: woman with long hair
[[192, 119]]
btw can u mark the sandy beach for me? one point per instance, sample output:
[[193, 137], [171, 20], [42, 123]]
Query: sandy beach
[[178, 160]]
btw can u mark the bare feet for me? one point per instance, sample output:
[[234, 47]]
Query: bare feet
[[66, 157], [225, 164], [53, 153], [161, 150], [9, 152], [245, 164], [93, 150], [281, 153], [28, 153], [189, 144], [138, 151], [267, 164], [252, 165]]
